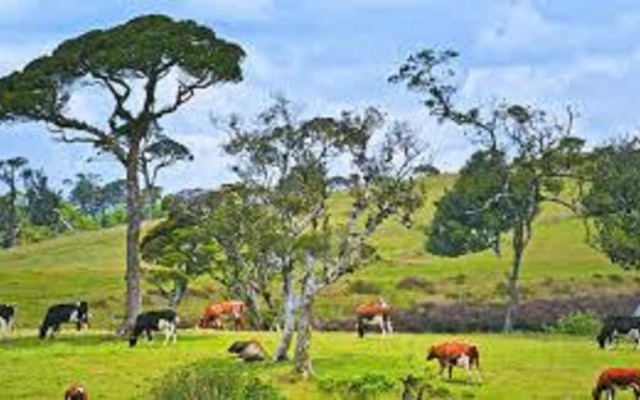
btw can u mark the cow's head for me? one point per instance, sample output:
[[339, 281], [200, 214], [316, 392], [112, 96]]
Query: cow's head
[[133, 340], [432, 353], [602, 339]]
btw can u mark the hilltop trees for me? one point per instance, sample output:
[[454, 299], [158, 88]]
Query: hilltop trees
[[290, 167], [527, 157], [138, 56], [10, 172]]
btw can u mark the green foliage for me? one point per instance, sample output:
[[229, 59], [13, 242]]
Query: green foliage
[[612, 201], [181, 249], [466, 218], [202, 382], [367, 386], [579, 323]]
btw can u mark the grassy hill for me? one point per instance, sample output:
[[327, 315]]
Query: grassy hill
[[90, 265]]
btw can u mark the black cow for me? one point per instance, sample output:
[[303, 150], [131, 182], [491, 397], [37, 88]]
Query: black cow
[[7, 317], [619, 325], [58, 314], [162, 320]]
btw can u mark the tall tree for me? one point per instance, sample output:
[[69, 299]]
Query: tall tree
[[10, 171], [290, 163], [143, 54], [540, 155]]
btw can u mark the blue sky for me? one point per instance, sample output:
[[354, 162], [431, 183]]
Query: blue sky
[[336, 54]]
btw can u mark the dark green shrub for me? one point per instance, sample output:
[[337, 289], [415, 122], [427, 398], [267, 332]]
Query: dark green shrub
[[364, 387], [578, 324], [202, 382], [364, 287]]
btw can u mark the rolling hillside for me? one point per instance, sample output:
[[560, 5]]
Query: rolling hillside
[[90, 265]]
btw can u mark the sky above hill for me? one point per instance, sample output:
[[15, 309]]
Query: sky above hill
[[332, 55]]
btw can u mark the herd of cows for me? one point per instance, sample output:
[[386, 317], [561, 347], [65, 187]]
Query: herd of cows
[[449, 354]]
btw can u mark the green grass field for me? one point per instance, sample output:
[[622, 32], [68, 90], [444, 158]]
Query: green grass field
[[90, 266], [515, 367]]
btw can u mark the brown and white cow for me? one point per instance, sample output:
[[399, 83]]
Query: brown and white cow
[[213, 315], [623, 378], [374, 313], [76, 392], [456, 354]]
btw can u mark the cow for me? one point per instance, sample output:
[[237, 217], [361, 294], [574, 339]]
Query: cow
[[624, 378], [76, 392], [160, 320], [613, 327], [374, 313], [7, 318], [213, 315], [58, 314], [248, 350], [456, 354]]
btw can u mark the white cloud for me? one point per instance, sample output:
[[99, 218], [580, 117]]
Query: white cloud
[[235, 9], [520, 25]]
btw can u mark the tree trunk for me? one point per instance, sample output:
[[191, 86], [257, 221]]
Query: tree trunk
[[289, 309], [134, 217], [179, 291], [302, 359], [519, 244]]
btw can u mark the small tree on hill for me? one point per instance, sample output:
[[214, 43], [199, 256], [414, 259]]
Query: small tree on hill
[[137, 56], [612, 201], [527, 157]]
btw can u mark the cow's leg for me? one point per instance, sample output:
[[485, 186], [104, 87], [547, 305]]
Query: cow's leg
[[389, 326], [4, 327], [175, 333], [450, 369], [443, 366], [55, 330], [612, 393], [148, 333]]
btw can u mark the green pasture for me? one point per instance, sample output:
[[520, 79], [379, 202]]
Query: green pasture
[[514, 367]]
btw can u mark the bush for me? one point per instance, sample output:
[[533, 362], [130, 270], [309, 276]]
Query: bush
[[417, 283], [363, 287], [202, 382], [364, 387], [578, 324]]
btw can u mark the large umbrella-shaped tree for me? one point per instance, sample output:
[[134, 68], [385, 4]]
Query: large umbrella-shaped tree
[[128, 62]]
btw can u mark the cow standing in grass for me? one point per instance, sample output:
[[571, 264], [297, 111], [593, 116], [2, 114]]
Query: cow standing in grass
[[59, 314], [613, 327], [150, 321], [7, 318], [374, 313], [456, 354], [214, 314], [76, 392], [612, 378]]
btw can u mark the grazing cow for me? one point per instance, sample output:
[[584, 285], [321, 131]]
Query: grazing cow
[[613, 327], [213, 315], [162, 320], [622, 378], [7, 317], [374, 313], [76, 392], [58, 314], [248, 350], [456, 354]]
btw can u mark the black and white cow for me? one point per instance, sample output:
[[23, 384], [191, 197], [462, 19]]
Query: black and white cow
[[7, 317], [615, 326], [58, 314], [161, 320]]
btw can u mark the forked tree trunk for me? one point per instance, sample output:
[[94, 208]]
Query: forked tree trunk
[[302, 359], [134, 220], [519, 243], [178, 293], [289, 323]]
